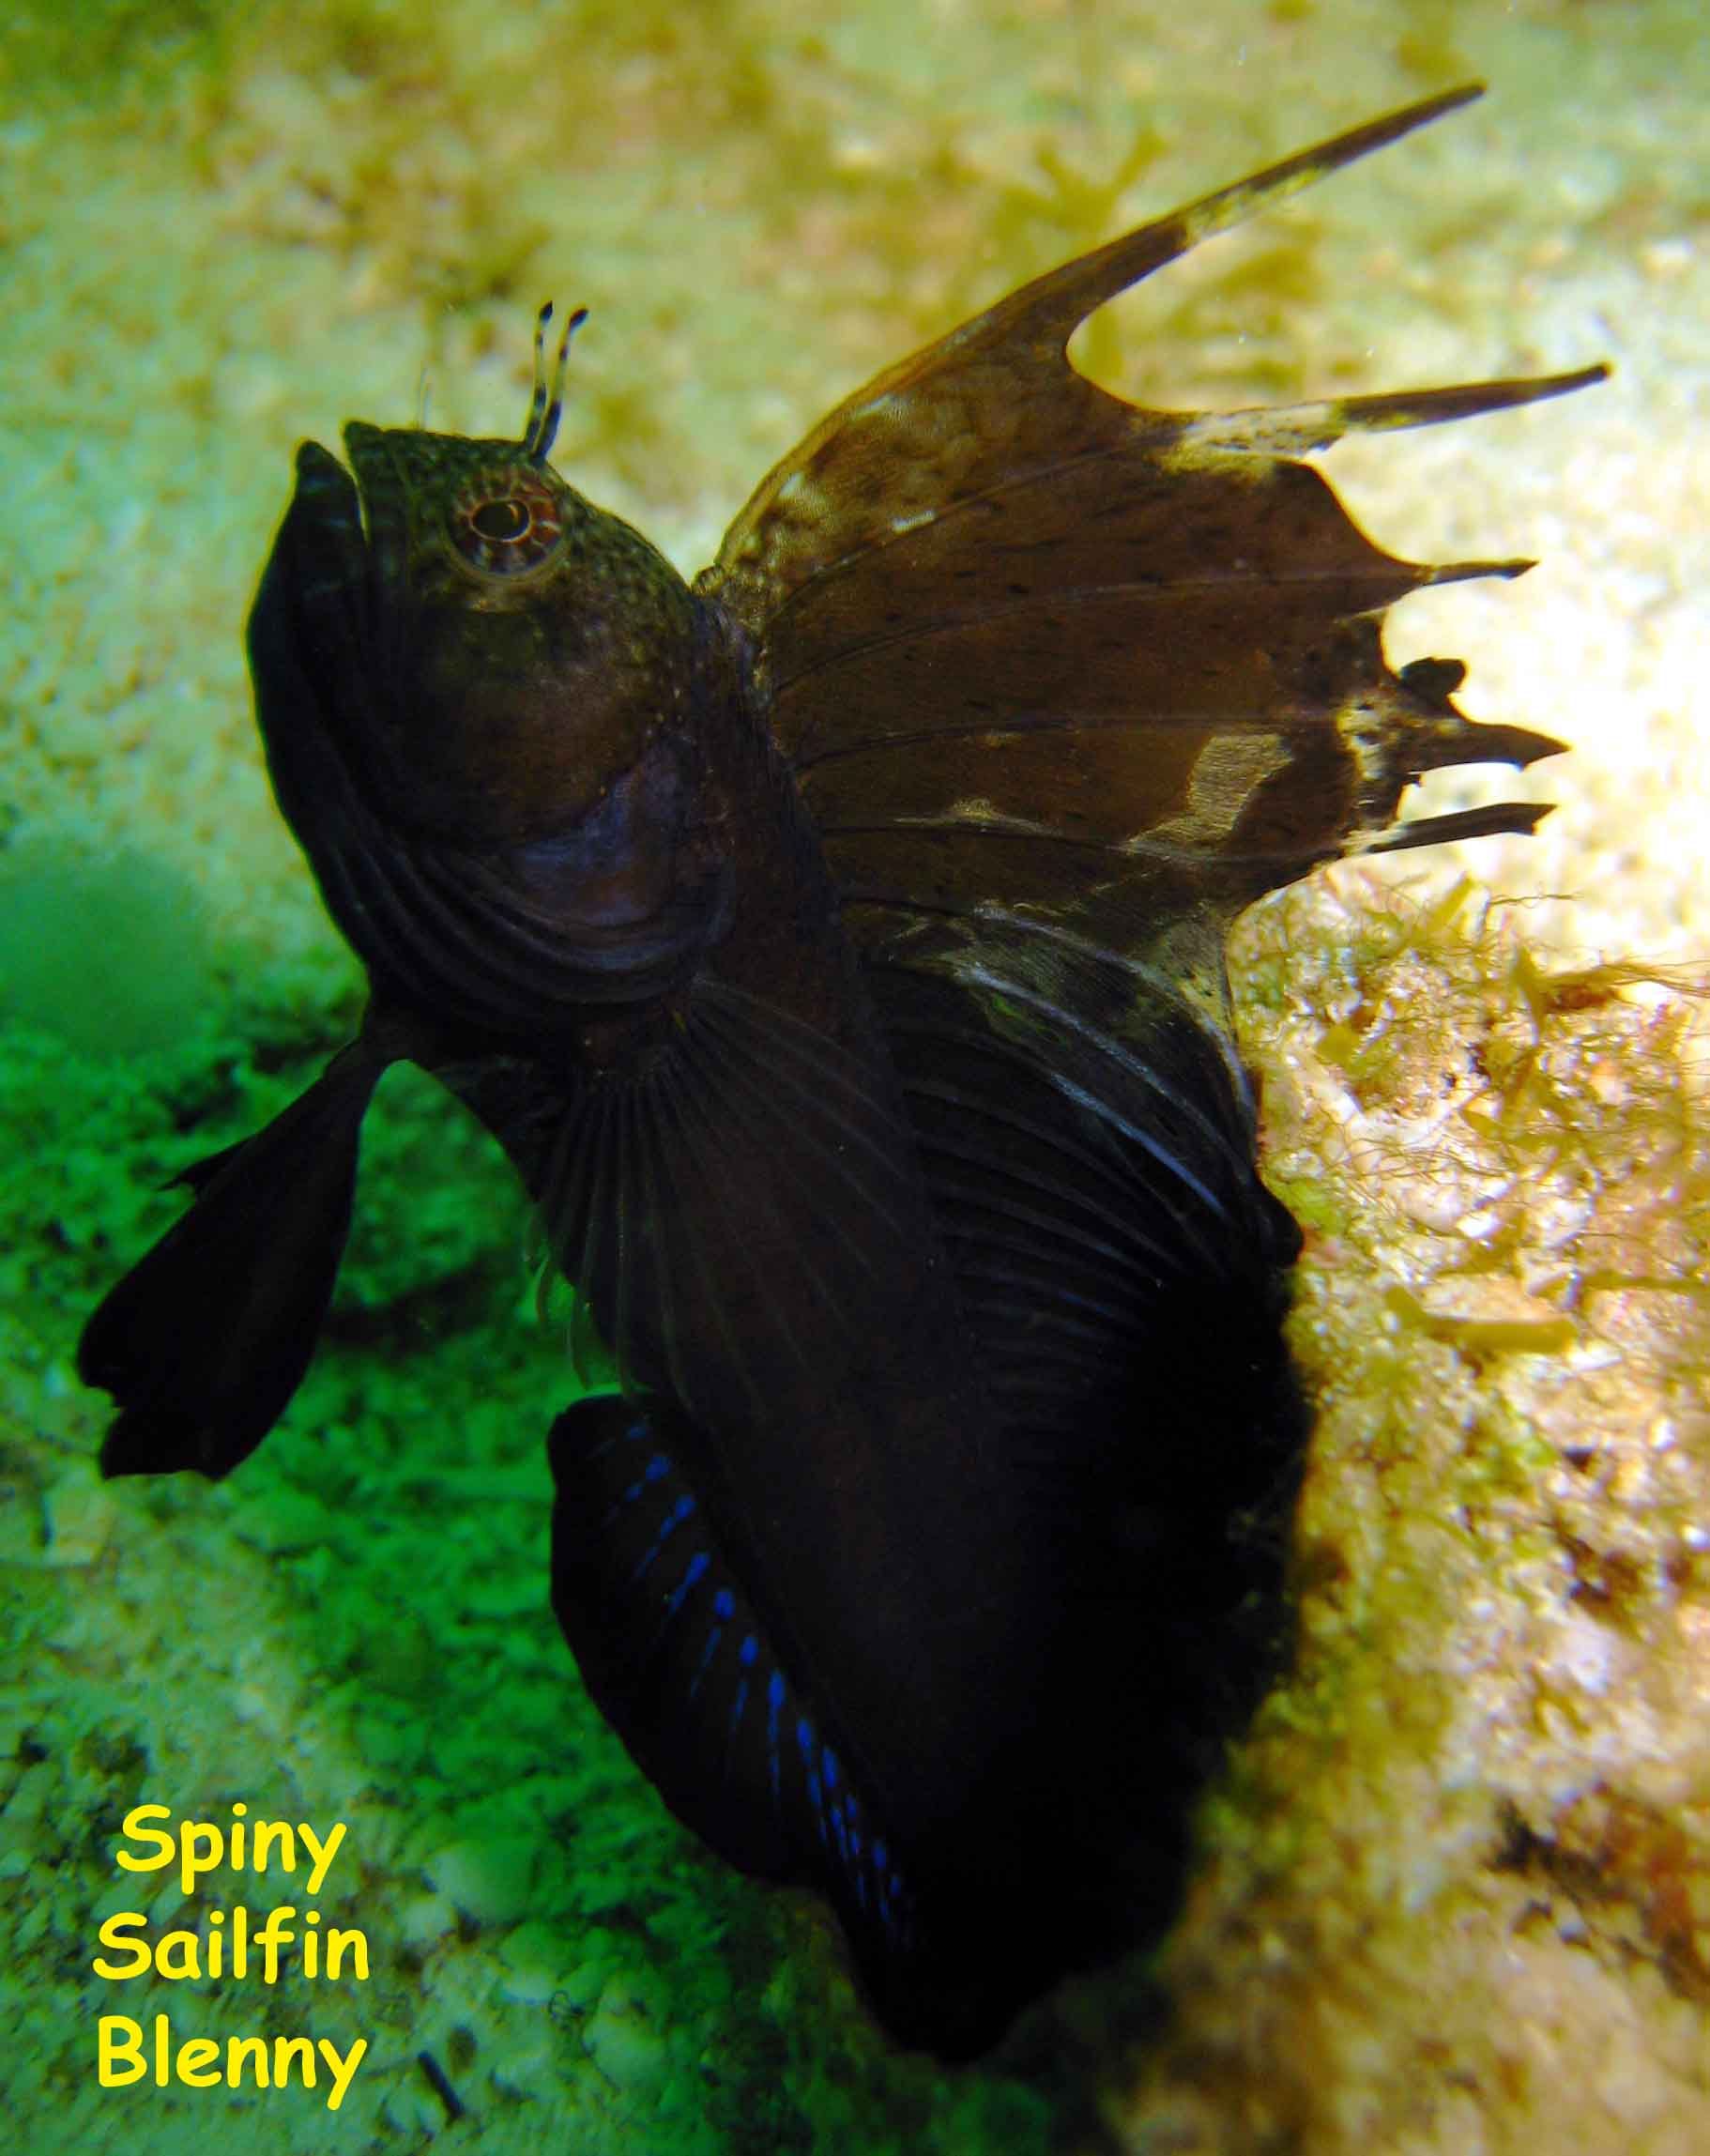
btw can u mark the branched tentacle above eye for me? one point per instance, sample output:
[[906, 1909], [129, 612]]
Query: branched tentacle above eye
[[547, 401]]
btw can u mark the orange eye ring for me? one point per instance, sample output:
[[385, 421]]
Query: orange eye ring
[[506, 523]]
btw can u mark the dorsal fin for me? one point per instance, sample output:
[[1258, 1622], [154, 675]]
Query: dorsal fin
[[1033, 647]]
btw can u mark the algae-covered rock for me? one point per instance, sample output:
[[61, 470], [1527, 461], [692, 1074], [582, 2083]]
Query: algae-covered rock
[[1458, 1888]]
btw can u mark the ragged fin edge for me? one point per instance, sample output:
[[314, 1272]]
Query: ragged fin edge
[[1297, 430], [1497, 819], [1039, 318], [203, 1342], [1426, 730], [887, 461], [1045, 314]]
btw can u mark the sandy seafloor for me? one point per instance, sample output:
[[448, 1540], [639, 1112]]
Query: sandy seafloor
[[1455, 1894]]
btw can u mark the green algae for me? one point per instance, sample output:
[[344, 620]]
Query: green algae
[[106, 953]]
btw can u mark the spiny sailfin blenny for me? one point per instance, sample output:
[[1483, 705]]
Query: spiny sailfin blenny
[[835, 946]]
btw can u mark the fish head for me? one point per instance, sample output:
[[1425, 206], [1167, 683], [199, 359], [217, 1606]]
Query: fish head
[[486, 706], [492, 652]]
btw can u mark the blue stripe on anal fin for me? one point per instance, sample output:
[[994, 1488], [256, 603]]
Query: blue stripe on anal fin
[[674, 1654]]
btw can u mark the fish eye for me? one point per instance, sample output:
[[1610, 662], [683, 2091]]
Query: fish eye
[[501, 519], [506, 524]]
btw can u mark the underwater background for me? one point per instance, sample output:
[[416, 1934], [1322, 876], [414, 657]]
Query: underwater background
[[1454, 1890]]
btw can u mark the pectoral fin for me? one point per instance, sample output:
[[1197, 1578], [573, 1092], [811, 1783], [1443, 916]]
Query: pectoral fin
[[203, 1342]]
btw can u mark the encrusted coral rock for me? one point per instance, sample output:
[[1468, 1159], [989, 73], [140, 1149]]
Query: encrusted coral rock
[[1458, 1894]]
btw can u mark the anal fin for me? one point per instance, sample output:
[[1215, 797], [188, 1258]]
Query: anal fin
[[677, 1659]]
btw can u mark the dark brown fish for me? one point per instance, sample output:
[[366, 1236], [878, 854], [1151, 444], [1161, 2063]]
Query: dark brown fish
[[836, 948]]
